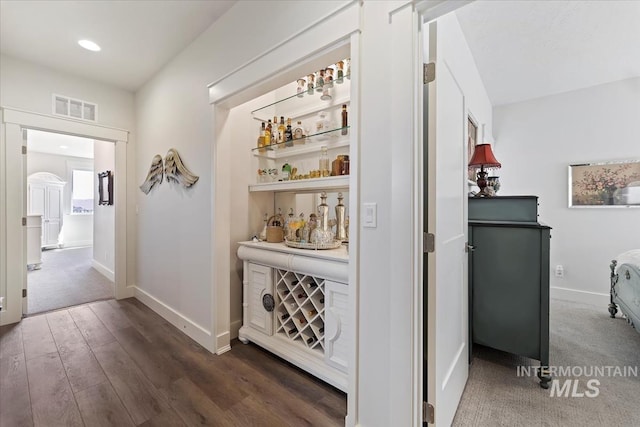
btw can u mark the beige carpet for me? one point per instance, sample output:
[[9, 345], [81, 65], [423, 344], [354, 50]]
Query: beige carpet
[[65, 279], [581, 336]]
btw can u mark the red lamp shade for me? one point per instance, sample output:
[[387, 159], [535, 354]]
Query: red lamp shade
[[483, 156]]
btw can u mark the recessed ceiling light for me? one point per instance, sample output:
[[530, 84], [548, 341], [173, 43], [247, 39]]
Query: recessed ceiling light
[[89, 45], [64, 147]]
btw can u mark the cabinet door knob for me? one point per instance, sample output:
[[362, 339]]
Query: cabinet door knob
[[469, 248]]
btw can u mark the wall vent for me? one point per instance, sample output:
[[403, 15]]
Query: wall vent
[[74, 108]]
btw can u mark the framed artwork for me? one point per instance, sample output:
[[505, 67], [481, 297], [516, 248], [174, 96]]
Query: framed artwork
[[105, 188], [472, 140], [605, 184]]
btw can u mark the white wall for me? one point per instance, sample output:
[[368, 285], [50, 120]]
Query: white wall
[[29, 87], [77, 230], [173, 110], [536, 140], [103, 215]]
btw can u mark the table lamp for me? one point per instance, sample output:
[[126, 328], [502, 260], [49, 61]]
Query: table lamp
[[483, 157]]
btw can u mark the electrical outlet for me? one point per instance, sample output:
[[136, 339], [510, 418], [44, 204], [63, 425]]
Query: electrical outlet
[[559, 271]]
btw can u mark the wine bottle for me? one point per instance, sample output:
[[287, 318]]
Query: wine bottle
[[281, 130], [302, 295], [292, 331], [268, 134], [321, 300], [311, 340], [284, 316], [321, 330], [288, 134], [302, 320], [312, 312], [344, 119]]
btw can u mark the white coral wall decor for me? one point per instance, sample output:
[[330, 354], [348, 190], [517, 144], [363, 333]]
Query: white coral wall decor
[[174, 170]]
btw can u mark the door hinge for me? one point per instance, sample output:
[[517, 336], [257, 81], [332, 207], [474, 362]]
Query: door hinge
[[24, 149], [428, 72], [428, 242], [24, 221], [24, 293], [428, 413]]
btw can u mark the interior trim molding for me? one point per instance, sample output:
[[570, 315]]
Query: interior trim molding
[[106, 272], [177, 319], [585, 297]]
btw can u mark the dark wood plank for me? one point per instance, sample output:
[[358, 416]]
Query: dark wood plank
[[137, 393], [100, 406], [145, 321], [65, 333], [92, 329], [11, 340], [167, 418], [52, 400], [15, 403], [83, 370], [111, 318], [36, 337], [194, 407], [275, 397], [252, 412], [152, 359]]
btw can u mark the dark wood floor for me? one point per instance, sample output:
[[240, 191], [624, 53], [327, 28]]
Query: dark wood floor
[[117, 363]]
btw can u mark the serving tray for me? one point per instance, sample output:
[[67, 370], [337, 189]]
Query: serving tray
[[331, 245]]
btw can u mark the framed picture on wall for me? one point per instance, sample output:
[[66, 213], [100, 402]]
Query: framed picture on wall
[[105, 188], [472, 140], [605, 184]]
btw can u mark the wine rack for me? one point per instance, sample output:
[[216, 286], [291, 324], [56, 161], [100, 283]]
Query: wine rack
[[300, 309]]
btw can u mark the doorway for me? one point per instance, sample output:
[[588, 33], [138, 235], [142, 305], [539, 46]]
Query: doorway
[[70, 236], [13, 195]]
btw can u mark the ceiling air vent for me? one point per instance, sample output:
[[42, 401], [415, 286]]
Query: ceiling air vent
[[75, 108]]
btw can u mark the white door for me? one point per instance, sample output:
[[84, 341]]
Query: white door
[[447, 302], [53, 219]]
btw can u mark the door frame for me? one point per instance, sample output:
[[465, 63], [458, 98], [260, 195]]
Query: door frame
[[13, 189]]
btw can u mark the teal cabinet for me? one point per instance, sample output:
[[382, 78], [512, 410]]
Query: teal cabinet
[[509, 277]]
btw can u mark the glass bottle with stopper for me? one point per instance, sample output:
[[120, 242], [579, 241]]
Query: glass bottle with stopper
[[341, 232]]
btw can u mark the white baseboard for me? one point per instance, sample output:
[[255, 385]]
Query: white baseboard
[[186, 325], [109, 274], [77, 243], [234, 327], [584, 297]]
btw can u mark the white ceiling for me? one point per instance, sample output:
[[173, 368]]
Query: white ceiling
[[137, 37], [530, 49], [55, 143], [523, 49]]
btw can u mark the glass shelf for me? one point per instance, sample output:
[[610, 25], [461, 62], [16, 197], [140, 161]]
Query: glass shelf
[[309, 138], [304, 185], [304, 94]]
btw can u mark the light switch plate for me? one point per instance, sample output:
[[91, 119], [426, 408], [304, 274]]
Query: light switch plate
[[370, 215]]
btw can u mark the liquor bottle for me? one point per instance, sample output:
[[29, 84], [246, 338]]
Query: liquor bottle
[[289, 230], [298, 133], [311, 340], [268, 134], [263, 233], [345, 122], [339, 72], [286, 171], [285, 316], [324, 162], [275, 138], [281, 130], [310, 84], [320, 81], [261, 138], [288, 134], [328, 77], [301, 87], [341, 231]]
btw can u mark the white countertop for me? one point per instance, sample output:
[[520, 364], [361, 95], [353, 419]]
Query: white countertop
[[340, 254]]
